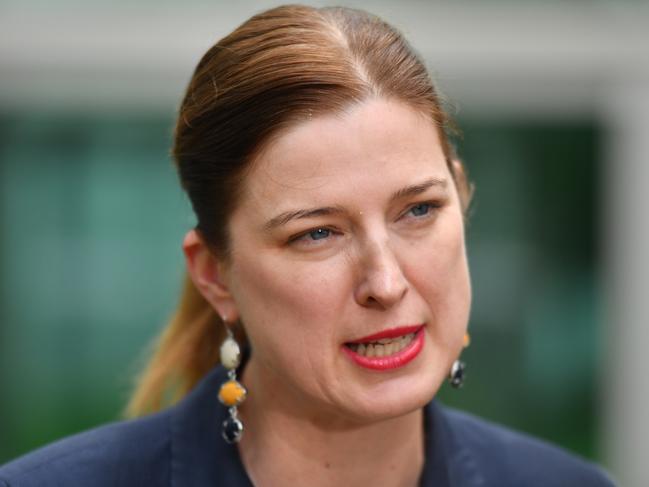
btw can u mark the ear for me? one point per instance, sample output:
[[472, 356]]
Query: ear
[[209, 276]]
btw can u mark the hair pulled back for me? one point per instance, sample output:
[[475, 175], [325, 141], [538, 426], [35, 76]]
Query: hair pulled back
[[280, 68]]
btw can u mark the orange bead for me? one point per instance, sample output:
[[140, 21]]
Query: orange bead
[[232, 393], [467, 340]]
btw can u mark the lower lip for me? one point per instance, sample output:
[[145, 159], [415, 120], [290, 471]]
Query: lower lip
[[395, 361]]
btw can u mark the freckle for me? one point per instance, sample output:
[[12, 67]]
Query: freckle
[[327, 465]]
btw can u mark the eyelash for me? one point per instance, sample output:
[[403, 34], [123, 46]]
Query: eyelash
[[302, 236], [432, 206]]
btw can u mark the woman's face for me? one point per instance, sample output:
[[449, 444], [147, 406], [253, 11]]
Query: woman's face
[[350, 225]]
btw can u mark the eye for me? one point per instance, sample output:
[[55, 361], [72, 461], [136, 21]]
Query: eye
[[422, 213], [307, 238], [420, 209], [318, 233]]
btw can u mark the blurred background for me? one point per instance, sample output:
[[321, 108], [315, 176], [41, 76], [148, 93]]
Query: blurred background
[[553, 101]]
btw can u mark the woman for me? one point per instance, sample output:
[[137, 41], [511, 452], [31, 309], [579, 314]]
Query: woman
[[330, 240]]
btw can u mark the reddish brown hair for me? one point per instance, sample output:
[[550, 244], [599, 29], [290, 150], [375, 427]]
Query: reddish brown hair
[[280, 68]]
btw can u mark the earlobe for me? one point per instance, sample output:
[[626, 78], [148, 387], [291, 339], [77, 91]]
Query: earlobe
[[209, 276]]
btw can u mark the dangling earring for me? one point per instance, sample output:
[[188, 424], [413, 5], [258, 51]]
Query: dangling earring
[[231, 393], [456, 376]]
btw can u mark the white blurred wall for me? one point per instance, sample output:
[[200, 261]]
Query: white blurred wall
[[626, 239], [495, 59]]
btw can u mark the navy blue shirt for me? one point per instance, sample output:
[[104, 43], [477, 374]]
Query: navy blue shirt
[[182, 447]]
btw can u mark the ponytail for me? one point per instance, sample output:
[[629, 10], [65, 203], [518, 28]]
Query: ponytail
[[183, 353]]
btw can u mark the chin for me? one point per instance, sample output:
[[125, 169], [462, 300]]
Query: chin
[[391, 397]]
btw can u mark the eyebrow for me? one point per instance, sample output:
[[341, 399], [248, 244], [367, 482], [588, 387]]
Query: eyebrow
[[284, 218], [416, 189], [413, 190]]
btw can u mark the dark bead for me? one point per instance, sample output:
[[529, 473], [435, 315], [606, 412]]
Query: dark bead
[[457, 374], [232, 430]]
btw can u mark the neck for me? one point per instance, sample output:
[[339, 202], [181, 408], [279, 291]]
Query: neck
[[288, 446]]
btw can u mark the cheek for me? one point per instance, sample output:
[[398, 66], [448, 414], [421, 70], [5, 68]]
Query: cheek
[[287, 302], [441, 276]]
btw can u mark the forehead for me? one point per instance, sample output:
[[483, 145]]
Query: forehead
[[373, 147]]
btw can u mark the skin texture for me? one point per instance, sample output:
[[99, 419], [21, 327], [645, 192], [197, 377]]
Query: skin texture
[[304, 288]]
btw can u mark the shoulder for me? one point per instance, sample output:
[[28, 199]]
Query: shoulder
[[181, 445], [125, 453], [503, 457]]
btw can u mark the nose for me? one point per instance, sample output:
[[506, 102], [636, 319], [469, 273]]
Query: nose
[[382, 283]]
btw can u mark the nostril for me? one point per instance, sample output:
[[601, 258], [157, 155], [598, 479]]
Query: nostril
[[373, 303]]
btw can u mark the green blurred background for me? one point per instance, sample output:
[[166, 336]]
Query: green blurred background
[[553, 101]]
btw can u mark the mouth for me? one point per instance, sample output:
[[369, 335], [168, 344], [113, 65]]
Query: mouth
[[389, 349]]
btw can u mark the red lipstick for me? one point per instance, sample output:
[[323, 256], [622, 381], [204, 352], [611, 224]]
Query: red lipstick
[[391, 333], [394, 360]]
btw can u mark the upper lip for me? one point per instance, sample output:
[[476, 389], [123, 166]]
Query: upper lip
[[389, 333]]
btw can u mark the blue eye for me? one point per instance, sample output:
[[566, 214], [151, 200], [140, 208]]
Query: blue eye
[[319, 233], [421, 209], [315, 237]]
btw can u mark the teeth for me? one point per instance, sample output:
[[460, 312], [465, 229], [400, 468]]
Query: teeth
[[384, 347]]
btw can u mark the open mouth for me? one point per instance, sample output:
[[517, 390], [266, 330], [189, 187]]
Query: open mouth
[[388, 349], [383, 347]]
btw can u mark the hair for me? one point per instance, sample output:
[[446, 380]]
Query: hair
[[278, 69]]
